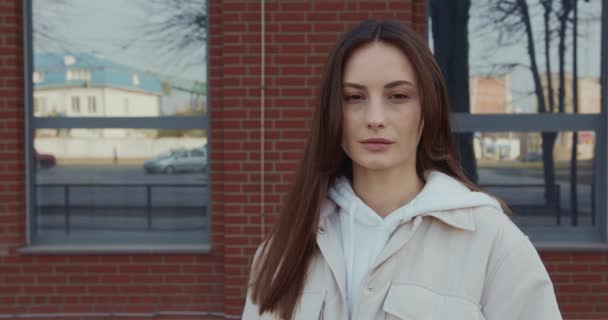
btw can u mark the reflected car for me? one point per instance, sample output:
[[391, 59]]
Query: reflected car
[[44, 160], [531, 157], [178, 160]]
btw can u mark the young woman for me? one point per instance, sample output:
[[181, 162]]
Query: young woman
[[381, 221]]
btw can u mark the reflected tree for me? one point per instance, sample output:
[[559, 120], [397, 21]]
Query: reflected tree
[[46, 15], [574, 154], [450, 19], [178, 28], [512, 19]]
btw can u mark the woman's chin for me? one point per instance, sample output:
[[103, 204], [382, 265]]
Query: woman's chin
[[376, 165]]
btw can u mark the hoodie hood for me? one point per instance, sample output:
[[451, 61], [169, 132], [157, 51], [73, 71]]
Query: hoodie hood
[[440, 193]]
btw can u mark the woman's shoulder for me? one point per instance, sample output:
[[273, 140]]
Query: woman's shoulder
[[508, 240], [515, 273]]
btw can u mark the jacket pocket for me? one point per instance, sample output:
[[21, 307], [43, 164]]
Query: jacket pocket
[[412, 302], [310, 306]]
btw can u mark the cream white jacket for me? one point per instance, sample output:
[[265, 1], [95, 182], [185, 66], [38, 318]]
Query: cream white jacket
[[457, 257]]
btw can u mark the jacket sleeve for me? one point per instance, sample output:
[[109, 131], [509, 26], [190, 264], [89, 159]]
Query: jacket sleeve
[[251, 310], [518, 286]]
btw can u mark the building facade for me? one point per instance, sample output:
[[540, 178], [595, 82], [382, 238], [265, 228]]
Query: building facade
[[210, 281]]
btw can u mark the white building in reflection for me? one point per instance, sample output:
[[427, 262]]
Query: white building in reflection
[[85, 85]]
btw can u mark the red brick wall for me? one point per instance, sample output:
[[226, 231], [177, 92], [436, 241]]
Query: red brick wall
[[581, 282], [298, 37]]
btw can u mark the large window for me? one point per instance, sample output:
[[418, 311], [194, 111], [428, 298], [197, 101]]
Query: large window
[[526, 81], [118, 155]]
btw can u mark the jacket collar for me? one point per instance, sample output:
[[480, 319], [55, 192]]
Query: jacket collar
[[458, 218]]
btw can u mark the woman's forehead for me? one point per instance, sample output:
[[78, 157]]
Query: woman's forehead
[[378, 64]]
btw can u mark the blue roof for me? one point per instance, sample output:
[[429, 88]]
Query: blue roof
[[103, 73]]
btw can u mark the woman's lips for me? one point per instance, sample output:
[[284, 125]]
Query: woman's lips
[[376, 145]]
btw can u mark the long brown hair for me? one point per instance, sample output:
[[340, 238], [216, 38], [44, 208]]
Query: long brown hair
[[279, 273]]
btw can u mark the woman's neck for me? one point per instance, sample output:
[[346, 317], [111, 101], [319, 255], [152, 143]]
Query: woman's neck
[[387, 190]]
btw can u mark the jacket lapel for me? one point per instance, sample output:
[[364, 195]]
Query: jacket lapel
[[330, 243], [397, 240], [460, 219]]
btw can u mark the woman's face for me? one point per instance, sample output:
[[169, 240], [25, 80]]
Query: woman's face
[[381, 109]]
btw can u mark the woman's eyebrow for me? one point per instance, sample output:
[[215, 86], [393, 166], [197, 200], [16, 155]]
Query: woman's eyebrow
[[354, 85], [387, 86], [398, 83]]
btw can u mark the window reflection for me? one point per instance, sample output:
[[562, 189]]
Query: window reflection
[[511, 165], [131, 188], [147, 60]]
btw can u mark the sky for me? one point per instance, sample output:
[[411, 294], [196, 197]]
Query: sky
[[112, 29]]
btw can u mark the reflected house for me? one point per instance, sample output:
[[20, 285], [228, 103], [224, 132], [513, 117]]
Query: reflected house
[[589, 102], [86, 85], [491, 95]]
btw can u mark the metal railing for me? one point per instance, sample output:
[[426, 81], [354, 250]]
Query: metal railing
[[68, 187], [556, 205]]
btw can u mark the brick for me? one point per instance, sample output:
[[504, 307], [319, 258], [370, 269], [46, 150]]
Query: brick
[[573, 268], [372, 6], [165, 269], [400, 5], [296, 113], [134, 269], [329, 6], [571, 288], [295, 7], [102, 269], [354, 17], [329, 27], [289, 38], [299, 28], [292, 70], [235, 28], [289, 16], [297, 49]]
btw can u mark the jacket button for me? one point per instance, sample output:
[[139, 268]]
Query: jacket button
[[321, 230], [370, 288]]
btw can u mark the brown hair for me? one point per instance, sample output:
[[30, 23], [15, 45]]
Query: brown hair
[[280, 271]]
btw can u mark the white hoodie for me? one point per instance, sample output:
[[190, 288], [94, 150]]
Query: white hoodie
[[367, 232]]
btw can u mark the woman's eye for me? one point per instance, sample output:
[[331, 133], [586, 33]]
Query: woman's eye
[[399, 96], [353, 98]]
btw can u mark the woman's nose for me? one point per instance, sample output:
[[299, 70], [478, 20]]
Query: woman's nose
[[375, 116]]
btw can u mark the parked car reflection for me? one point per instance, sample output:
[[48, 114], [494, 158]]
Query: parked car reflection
[[44, 160], [178, 160], [531, 157]]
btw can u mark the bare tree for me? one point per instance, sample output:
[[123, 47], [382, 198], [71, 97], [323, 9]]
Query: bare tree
[[450, 20], [46, 16], [574, 154], [513, 16], [563, 23], [547, 13], [178, 28], [548, 138]]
